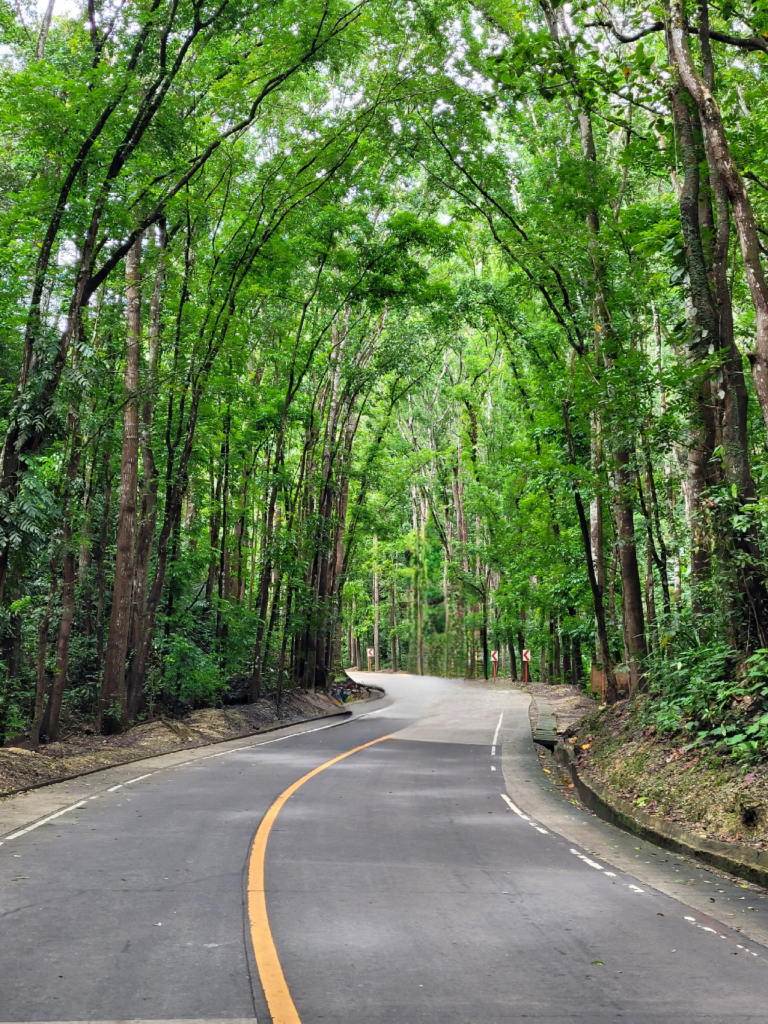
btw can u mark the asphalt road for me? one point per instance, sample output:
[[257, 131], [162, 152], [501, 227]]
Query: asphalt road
[[400, 886]]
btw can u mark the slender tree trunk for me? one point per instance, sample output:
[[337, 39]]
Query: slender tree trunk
[[45, 27], [113, 707], [447, 618], [42, 651], [281, 660], [630, 576], [148, 510], [393, 623], [597, 594], [221, 627], [69, 575], [743, 216], [100, 560], [376, 609], [703, 433]]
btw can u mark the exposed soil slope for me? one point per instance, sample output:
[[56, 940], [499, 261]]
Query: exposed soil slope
[[699, 790], [80, 752]]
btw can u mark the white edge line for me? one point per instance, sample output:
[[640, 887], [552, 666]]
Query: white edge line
[[496, 734], [514, 807], [138, 778], [112, 789], [540, 829], [592, 863], [43, 821]]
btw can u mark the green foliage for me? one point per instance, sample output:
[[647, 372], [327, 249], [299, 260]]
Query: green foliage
[[189, 678]]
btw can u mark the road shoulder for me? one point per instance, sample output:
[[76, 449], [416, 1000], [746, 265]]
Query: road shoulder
[[21, 810], [533, 787]]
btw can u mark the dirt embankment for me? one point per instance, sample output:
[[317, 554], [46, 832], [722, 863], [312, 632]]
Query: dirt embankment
[[701, 791], [80, 752]]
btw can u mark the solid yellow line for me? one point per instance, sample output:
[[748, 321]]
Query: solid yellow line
[[273, 981]]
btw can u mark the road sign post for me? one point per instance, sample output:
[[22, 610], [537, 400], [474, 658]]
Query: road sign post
[[526, 659], [371, 652], [495, 662]]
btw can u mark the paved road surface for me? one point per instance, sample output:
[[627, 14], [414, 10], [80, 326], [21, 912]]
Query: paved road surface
[[401, 888]]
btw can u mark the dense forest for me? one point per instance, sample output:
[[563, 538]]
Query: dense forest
[[429, 327]]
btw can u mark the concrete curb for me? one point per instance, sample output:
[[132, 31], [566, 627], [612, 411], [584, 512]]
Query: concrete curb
[[735, 858]]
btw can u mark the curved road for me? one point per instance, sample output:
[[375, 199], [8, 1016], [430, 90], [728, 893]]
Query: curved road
[[429, 877]]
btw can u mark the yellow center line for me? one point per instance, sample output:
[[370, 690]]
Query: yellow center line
[[278, 996]]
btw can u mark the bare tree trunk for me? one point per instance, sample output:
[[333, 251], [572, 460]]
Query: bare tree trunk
[[703, 433], [512, 662], [148, 513], [113, 706], [100, 574], [377, 662], [69, 574], [743, 216], [447, 620], [221, 627], [45, 28], [597, 593], [393, 623], [630, 576], [281, 661], [42, 650]]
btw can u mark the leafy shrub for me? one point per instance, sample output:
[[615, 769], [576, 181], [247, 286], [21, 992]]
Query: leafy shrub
[[189, 677], [702, 690]]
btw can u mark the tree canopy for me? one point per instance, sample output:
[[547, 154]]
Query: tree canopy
[[432, 328]]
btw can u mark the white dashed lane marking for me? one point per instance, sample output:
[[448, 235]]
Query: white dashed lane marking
[[43, 821], [496, 734], [139, 778]]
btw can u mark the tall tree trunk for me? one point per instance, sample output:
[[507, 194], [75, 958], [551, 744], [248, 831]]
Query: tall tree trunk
[[393, 623], [148, 511], [447, 618], [630, 575], [42, 651], [597, 594], [101, 588], [376, 610], [69, 575], [743, 216], [221, 627], [705, 325], [264, 581], [113, 706], [281, 660]]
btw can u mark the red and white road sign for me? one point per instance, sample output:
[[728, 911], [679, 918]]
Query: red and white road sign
[[526, 655], [494, 655], [371, 652]]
